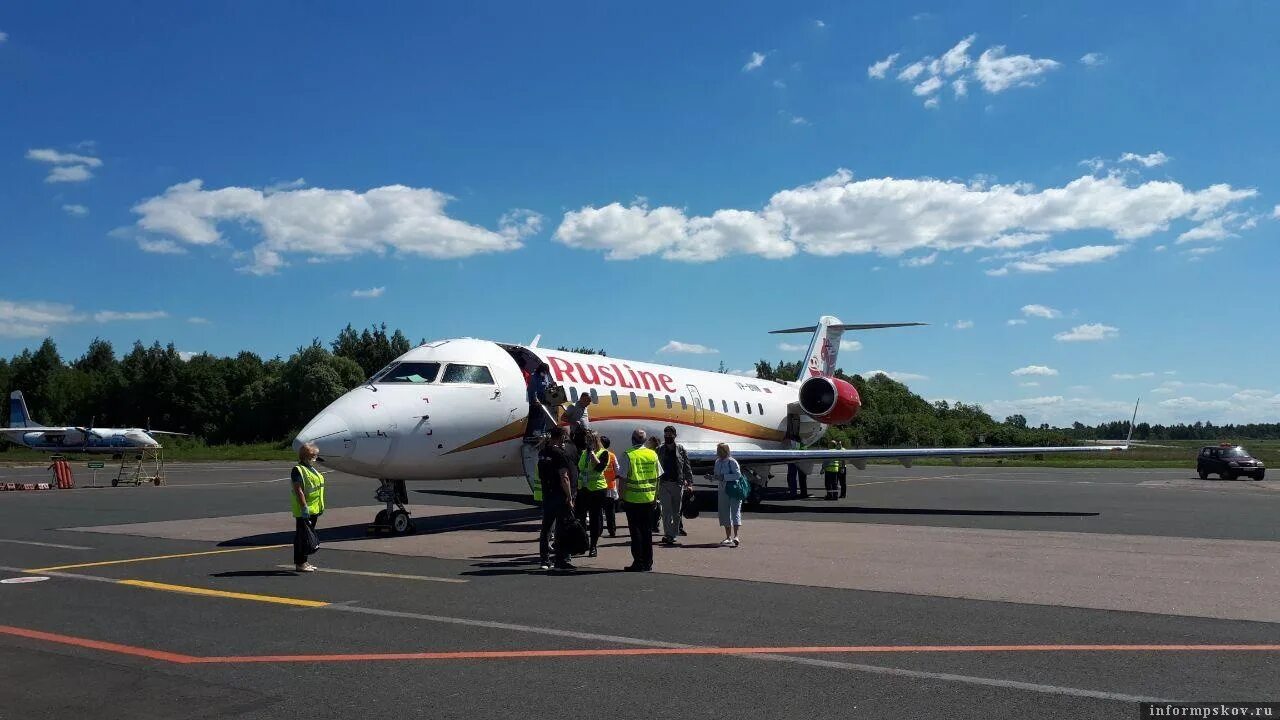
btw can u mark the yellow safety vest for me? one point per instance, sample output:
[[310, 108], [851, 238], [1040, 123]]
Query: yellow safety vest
[[312, 489], [642, 484], [833, 465], [588, 476], [537, 488]]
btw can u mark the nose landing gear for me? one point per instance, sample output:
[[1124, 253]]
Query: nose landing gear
[[395, 518]]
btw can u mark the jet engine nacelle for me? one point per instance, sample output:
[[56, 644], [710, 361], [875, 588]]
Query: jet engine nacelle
[[830, 401]]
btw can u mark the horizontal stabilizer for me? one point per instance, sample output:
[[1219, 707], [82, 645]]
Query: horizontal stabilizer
[[847, 326]]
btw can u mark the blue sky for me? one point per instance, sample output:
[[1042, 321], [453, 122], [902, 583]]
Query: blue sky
[[226, 176]]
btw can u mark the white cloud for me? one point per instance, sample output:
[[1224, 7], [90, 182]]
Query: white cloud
[[795, 119], [1015, 321], [54, 157], [1041, 311], [961, 87], [1197, 253], [912, 71], [1275, 213], [160, 247], [66, 167], [1211, 229], [932, 103], [780, 84], [1051, 260], [1034, 370], [756, 61], [1132, 376], [1090, 332], [1093, 59], [849, 345], [76, 210], [1029, 384], [1094, 164], [929, 86], [287, 185], [890, 216], [879, 69], [33, 319], [792, 347], [374, 292], [998, 72], [1154, 159], [197, 321], [964, 324], [675, 346], [186, 355], [68, 173], [1061, 411], [323, 223], [103, 316], [955, 59], [1160, 248], [819, 24], [921, 261], [4, 37], [899, 376]]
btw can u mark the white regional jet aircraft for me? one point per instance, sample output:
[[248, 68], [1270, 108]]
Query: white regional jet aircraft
[[73, 438], [455, 409]]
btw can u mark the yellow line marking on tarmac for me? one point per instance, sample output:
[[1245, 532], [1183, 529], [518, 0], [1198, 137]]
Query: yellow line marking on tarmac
[[153, 557], [223, 593], [394, 576]]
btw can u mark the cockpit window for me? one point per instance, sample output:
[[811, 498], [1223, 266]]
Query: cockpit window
[[473, 374], [408, 372]]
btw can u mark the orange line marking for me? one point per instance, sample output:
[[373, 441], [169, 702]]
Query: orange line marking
[[607, 652], [98, 645]]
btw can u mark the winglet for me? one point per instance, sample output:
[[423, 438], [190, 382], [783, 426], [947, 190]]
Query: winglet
[[534, 342], [1132, 423]]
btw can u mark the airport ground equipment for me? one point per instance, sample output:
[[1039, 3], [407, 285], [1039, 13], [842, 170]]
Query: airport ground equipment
[[144, 466]]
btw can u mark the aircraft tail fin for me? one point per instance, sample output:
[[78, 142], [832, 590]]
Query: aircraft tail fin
[[18, 415], [824, 346]]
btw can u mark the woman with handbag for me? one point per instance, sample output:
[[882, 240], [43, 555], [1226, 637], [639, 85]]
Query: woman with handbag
[[729, 481]]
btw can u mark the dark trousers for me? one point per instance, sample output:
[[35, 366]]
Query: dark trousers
[[639, 520], [797, 480], [833, 484], [553, 506], [300, 537], [844, 482], [590, 510], [611, 515]]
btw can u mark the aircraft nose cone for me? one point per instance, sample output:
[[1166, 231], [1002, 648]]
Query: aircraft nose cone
[[329, 432]]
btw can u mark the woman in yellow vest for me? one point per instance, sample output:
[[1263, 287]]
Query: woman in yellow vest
[[593, 488], [308, 503]]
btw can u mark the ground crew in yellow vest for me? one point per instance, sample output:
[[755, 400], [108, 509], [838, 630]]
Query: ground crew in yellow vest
[[308, 504], [638, 472], [593, 488], [831, 473]]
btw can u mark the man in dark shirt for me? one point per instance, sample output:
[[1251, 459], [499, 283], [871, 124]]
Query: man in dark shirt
[[677, 477], [558, 473]]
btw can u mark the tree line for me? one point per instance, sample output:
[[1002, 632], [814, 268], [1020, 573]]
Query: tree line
[[248, 398]]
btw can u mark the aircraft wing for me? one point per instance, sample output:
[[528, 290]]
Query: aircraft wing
[[778, 457], [19, 431], [167, 432]]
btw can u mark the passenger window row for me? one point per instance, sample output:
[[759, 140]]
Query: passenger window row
[[669, 403]]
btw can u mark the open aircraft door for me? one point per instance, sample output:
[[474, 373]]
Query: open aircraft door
[[699, 417]]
